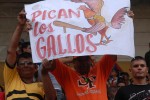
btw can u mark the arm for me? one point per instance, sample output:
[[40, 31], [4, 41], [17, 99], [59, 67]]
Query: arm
[[49, 90], [106, 64], [11, 53], [114, 57]]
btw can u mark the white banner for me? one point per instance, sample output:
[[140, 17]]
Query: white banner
[[80, 27]]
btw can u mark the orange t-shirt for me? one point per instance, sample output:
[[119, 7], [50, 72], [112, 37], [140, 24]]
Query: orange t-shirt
[[79, 87]]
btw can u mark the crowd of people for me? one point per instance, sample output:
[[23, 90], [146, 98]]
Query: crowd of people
[[25, 80]]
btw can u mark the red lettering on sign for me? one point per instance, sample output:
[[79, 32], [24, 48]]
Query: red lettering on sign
[[35, 15], [71, 13], [41, 50], [69, 45], [51, 46], [51, 14], [41, 29], [89, 36], [60, 49], [80, 44]]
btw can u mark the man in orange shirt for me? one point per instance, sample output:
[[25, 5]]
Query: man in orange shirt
[[86, 81]]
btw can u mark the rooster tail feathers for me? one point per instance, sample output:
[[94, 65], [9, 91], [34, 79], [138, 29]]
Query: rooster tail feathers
[[118, 19]]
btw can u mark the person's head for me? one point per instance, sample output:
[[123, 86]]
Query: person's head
[[121, 82], [25, 47], [114, 73], [138, 68], [125, 75], [1, 89], [82, 64], [25, 67]]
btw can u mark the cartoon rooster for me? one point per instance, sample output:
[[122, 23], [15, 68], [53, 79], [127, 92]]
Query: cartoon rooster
[[98, 24], [92, 13]]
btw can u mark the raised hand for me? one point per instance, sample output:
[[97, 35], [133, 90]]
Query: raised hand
[[46, 65], [28, 25], [130, 14], [22, 18]]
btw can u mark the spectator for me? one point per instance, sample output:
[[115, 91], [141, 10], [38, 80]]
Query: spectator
[[112, 81], [84, 82], [125, 77], [147, 58], [139, 89], [19, 72]]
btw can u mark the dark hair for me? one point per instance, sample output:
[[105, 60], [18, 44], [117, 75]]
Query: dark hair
[[23, 55], [138, 58], [123, 74], [121, 80], [24, 45], [2, 89], [82, 58]]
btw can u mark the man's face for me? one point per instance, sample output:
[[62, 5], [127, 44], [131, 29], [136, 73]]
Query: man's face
[[139, 69], [113, 73], [82, 65], [26, 68]]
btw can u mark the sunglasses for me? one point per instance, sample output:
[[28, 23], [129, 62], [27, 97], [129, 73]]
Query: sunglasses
[[137, 65], [22, 64]]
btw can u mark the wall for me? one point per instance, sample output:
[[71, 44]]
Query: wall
[[1, 73]]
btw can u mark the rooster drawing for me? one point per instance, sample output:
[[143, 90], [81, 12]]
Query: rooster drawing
[[92, 13], [98, 24]]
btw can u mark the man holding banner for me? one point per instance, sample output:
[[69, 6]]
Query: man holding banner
[[87, 81], [19, 72]]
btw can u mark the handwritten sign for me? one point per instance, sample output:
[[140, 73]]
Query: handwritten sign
[[80, 27]]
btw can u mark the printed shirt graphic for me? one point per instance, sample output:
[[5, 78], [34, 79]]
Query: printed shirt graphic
[[15, 89], [79, 87], [87, 81], [141, 95], [135, 92]]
